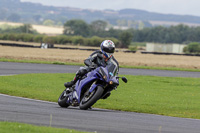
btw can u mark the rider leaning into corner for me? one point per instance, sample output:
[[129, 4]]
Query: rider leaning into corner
[[94, 61]]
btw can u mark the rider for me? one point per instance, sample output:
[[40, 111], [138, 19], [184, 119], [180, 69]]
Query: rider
[[97, 58]]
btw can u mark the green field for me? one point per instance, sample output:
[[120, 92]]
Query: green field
[[170, 96], [13, 127]]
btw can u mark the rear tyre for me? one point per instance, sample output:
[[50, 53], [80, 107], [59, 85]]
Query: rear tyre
[[88, 100], [62, 100]]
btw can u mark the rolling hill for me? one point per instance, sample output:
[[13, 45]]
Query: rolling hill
[[26, 12]]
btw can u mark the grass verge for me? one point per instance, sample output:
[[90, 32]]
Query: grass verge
[[170, 96], [39, 62], [13, 127], [81, 64]]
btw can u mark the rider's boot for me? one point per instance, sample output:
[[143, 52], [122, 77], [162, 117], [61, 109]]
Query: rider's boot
[[79, 75], [71, 83]]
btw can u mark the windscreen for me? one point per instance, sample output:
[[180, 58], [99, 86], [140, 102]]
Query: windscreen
[[112, 70]]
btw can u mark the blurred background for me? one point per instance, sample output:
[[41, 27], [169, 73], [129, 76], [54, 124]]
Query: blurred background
[[170, 26]]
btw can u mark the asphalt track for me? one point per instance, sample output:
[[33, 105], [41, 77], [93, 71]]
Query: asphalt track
[[9, 68], [107, 121]]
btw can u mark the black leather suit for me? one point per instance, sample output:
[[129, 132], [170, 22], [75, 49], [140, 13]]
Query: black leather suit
[[95, 60]]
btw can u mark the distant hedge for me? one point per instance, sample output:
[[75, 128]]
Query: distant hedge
[[192, 48], [60, 39]]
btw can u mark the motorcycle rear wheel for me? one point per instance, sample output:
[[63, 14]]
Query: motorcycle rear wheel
[[88, 101], [62, 100]]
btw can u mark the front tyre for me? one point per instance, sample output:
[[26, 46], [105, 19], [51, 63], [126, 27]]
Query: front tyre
[[62, 100], [89, 99]]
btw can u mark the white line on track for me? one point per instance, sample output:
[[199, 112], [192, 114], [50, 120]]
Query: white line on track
[[28, 99], [8, 75], [95, 108], [37, 100]]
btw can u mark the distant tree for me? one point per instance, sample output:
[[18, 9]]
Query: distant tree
[[193, 47], [126, 38], [48, 22], [98, 28], [76, 27], [26, 28], [113, 33], [59, 23], [98, 25]]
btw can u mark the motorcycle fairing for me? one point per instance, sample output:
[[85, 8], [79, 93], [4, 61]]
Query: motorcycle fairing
[[91, 77]]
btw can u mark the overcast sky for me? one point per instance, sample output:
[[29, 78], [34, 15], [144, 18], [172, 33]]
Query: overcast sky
[[179, 7]]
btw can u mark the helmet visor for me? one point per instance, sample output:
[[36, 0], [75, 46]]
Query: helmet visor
[[109, 49]]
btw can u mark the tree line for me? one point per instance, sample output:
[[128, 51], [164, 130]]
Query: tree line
[[25, 28], [80, 32], [60, 39], [160, 34]]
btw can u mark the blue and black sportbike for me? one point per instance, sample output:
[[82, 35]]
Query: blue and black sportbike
[[95, 85]]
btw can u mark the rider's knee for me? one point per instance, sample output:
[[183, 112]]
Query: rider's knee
[[82, 72]]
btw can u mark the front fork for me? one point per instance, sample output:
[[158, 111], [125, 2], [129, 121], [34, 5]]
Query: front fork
[[94, 85]]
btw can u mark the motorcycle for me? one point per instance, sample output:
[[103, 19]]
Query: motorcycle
[[95, 85]]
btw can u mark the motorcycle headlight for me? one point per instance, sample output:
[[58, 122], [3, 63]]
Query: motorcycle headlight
[[103, 74], [114, 82], [111, 82]]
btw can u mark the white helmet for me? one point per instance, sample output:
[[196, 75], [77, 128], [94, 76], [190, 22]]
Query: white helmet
[[108, 48]]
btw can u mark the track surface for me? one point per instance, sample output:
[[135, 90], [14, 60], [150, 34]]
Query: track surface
[[9, 68], [46, 113], [50, 114]]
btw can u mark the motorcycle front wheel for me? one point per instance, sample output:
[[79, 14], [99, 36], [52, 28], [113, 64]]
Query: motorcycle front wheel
[[62, 100], [89, 99]]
